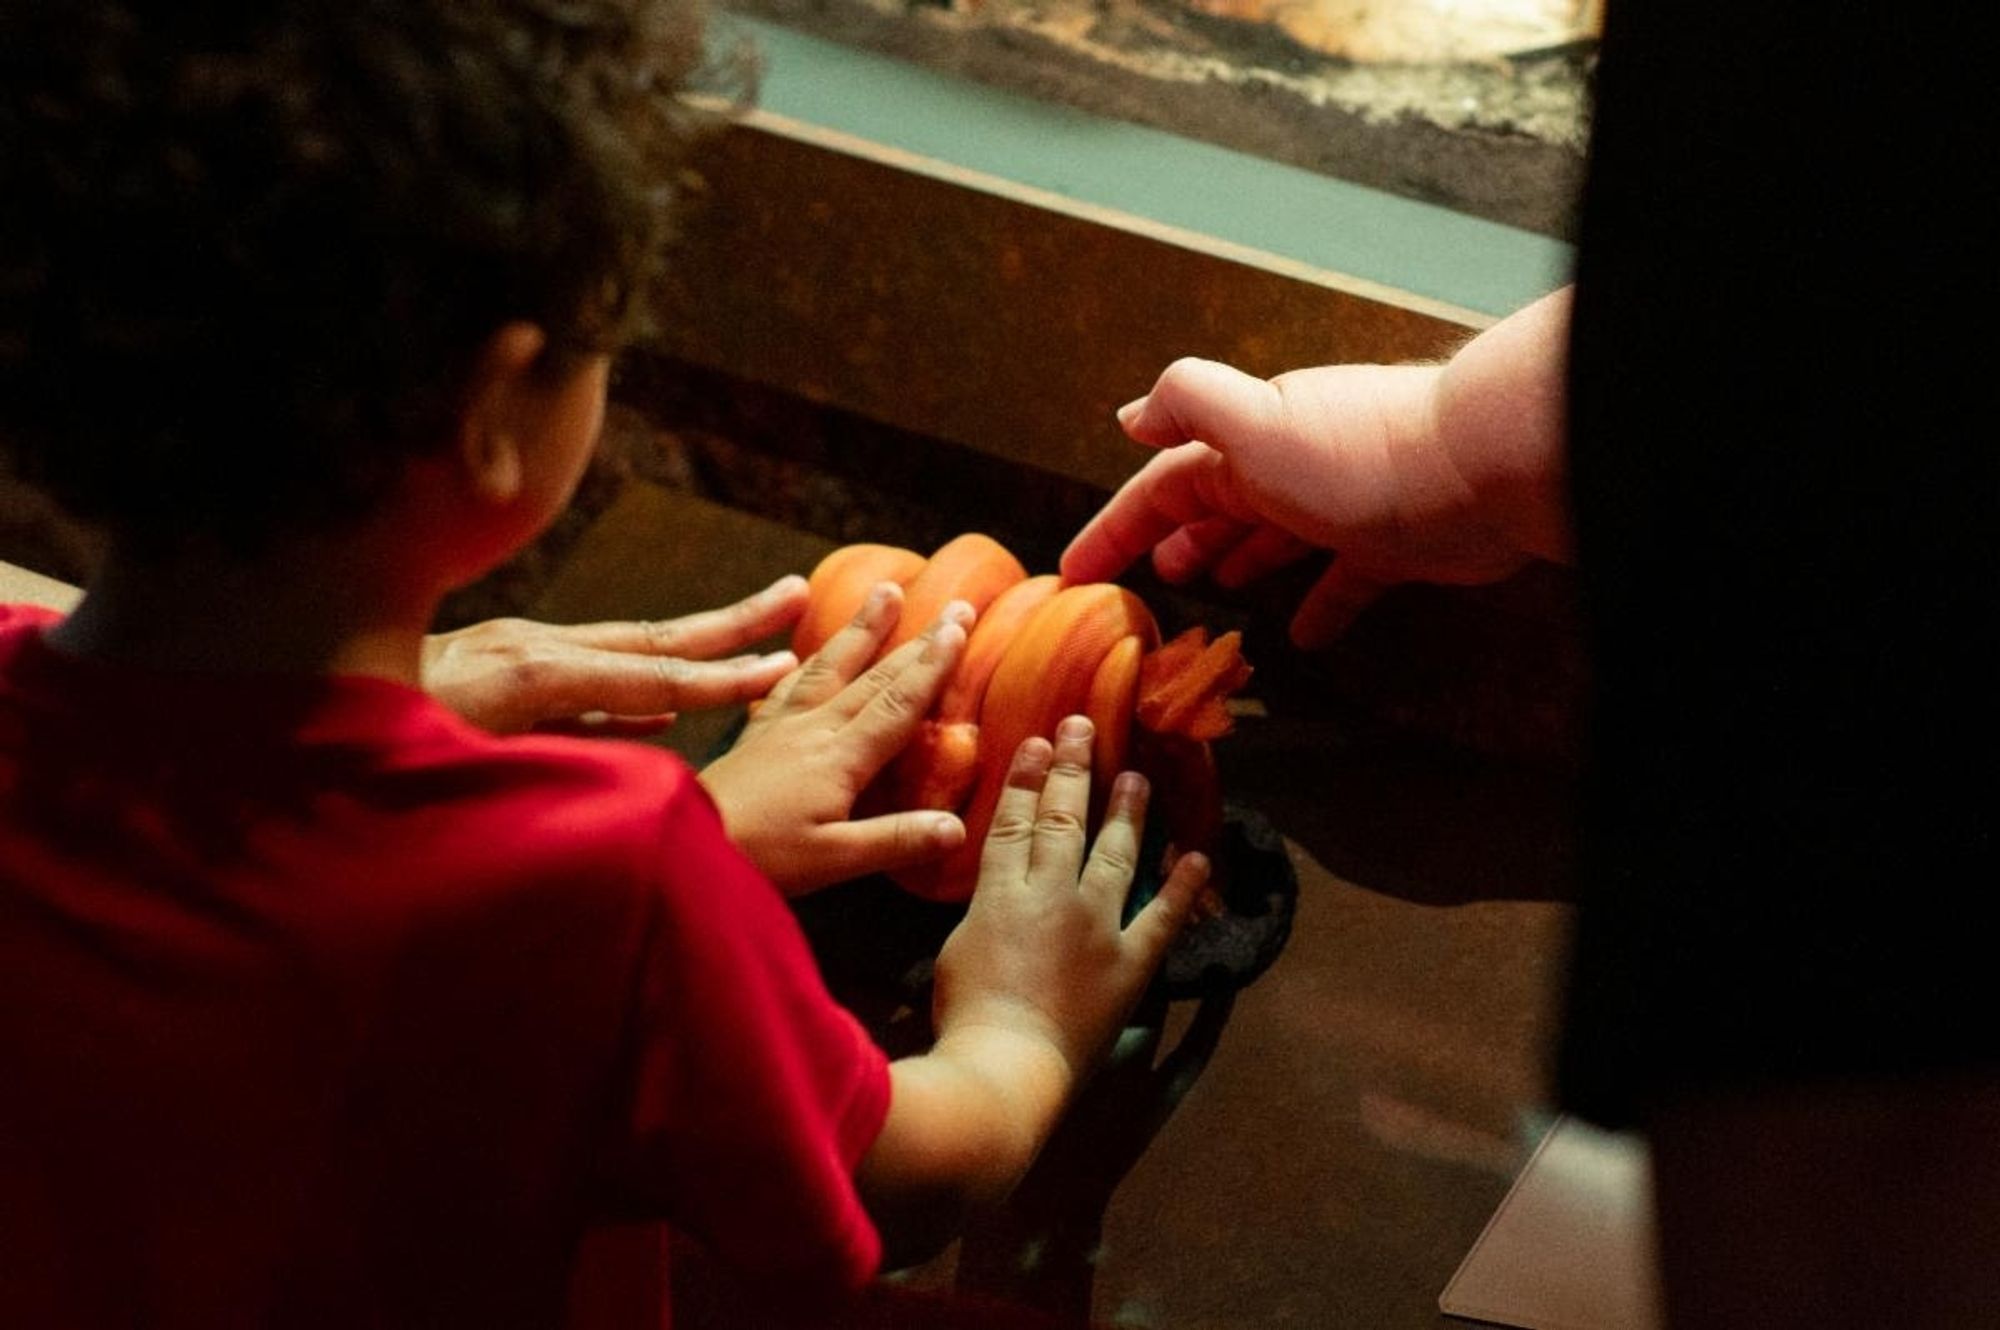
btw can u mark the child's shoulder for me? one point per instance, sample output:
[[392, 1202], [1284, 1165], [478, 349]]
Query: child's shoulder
[[582, 780], [16, 619], [359, 761], [20, 626], [588, 797], [583, 828], [629, 817]]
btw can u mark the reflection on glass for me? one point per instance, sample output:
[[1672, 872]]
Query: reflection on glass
[[1381, 31], [1478, 105], [1419, 30]]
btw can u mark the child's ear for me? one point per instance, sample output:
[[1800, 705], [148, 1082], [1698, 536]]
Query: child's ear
[[498, 420]]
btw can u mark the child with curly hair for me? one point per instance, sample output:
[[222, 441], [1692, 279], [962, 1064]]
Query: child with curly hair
[[322, 1001]]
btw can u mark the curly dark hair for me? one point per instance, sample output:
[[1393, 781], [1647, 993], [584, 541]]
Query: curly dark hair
[[248, 248]]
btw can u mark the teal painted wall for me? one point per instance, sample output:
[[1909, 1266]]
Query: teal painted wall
[[1280, 210]]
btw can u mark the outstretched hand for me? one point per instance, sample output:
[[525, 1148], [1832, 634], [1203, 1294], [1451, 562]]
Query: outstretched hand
[[787, 788], [1439, 473], [1041, 952], [512, 675], [1030, 990]]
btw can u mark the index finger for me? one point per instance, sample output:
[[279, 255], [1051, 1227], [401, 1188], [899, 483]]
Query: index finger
[[705, 634], [627, 685], [1171, 491], [884, 706]]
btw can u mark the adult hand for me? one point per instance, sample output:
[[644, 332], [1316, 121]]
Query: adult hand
[[787, 788], [1440, 473], [512, 675]]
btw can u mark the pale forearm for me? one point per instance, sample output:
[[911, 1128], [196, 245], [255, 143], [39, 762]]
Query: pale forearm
[[1500, 416], [965, 1122]]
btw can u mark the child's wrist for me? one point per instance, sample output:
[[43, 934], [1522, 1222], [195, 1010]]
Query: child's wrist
[[1028, 1069]]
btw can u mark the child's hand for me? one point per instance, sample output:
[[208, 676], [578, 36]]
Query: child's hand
[[1041, 954], [511, 675], [1030, 990], [787, 788]]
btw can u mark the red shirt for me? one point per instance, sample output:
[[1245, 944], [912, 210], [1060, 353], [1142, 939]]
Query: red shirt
[[319, 1006]]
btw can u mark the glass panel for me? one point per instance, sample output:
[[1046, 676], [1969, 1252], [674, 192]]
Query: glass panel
[[1478, 105]]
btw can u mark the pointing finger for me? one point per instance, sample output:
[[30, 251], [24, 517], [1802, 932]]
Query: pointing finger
[[1169, 492]]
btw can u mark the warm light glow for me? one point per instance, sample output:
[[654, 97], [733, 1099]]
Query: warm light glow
[[1419, 31]]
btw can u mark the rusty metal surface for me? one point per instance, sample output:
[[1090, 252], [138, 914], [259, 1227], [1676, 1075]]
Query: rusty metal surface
[[939, 308]]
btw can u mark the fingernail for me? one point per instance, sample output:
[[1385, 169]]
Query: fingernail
[[1074, 727], [1197, 863], [959, 612], [778, 658], [1130, 411], [1130, 785], [785, 585], [945, 831], [878, 596], [947, 639]]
